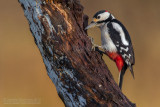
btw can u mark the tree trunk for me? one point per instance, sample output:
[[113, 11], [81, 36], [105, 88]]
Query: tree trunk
[[80, 74]]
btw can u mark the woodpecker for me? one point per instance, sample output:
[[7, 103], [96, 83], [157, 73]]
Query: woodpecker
[[115, 41]]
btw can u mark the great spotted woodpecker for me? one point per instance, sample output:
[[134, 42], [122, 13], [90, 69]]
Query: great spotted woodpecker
[[116, 42]]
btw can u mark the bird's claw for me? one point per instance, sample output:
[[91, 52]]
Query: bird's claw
[[96, 47], [93, 45]]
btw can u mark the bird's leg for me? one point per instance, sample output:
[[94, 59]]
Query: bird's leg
[[96, 47]]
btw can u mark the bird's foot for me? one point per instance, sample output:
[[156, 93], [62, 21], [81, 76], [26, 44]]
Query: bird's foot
[[93, 45], [92, 41], [96, 47]]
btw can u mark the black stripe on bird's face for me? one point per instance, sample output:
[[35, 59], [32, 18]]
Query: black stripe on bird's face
[[105, 21]]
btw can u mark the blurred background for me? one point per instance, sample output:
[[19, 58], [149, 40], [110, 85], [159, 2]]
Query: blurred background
[[23, 78]]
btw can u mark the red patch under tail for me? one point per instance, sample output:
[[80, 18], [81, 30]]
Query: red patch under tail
[[118, 60]]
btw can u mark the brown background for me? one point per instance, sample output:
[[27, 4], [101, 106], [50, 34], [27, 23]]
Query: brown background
[[23, 74]]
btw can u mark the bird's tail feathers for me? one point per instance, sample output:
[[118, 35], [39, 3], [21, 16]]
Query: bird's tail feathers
[[121, 74], [131, 69], [120, 80]]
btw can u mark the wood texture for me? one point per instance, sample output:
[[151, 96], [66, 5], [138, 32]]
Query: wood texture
[[79, 73]]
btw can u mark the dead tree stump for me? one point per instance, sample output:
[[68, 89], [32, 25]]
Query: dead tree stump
[[80, 74]]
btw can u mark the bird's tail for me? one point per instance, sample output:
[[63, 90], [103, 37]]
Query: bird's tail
[[121, 74], [131, 69]]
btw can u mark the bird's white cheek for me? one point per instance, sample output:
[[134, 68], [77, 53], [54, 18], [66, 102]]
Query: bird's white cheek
[[104, 16]]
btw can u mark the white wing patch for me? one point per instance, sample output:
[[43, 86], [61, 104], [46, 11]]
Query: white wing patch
[[125, 55], [117, 45], [119, 29], [128, 57], [125, 49], [127, 61]]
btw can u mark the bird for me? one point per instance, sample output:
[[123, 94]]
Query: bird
[[115, 41]]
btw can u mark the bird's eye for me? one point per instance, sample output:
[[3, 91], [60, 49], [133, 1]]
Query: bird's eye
[[98, 17]]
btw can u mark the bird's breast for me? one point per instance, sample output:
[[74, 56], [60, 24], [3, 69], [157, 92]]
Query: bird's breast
[[107, 42]]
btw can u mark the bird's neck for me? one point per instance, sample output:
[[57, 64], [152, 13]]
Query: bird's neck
[[111, 17], [102, 25]]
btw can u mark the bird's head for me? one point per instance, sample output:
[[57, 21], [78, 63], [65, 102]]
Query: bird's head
[[100, 18]]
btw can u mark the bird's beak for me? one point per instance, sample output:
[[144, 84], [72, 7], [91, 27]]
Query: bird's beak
[[92, 24]]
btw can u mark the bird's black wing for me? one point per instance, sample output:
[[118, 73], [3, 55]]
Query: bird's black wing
[[126, 51]]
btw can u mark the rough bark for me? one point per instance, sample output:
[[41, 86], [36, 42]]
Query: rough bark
[[80, 74]]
